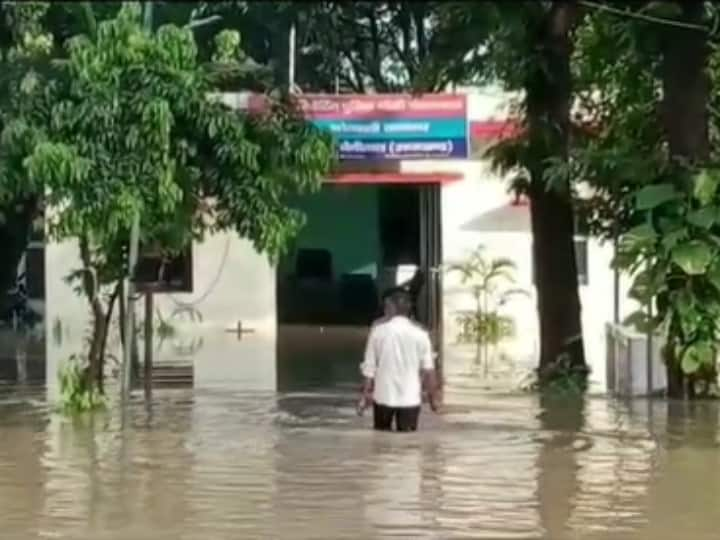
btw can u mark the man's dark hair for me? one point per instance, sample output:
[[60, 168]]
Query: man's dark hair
[[402, 301]]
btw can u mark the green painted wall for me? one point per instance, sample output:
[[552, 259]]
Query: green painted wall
[[344, 220]]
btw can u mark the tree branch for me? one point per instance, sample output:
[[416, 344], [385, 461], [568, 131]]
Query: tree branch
[[376, 64], [419, 12]]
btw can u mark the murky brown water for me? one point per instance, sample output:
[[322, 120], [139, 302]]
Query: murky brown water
[[225, 464]]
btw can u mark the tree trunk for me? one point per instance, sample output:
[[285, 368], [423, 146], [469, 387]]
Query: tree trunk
[[280, 50], [149, 345], [549, 92], [95, 356], [686, 86], [108, 322], [134, 352], [99, 327], [686, 94]]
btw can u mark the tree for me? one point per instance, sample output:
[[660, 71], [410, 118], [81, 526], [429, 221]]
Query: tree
[[686, 96], [126, 127], [371, 46], [347, 47], [23, 42], [548, 101], [648, 165], [615, 68], [33, 37], [527, 46], [653, 175]]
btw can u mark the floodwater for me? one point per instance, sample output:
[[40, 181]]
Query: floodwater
[[220, 462]]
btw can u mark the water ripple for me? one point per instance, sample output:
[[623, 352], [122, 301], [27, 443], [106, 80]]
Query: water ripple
[[219, 464]]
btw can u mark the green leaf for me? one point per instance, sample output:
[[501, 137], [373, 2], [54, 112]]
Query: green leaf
[[641, 233], [663, 10], [669, 223], [696, 356], [687, 315], [693, 257], [705, 186], [641, 321], [713, 274], [684, 304], [653, 196], [704, 218], [645, 287], [671, 239]]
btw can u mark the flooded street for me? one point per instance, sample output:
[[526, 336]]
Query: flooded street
[[267, 445], [219, 463]]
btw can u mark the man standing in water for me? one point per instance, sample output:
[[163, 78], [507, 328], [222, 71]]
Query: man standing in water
[[398, 364]]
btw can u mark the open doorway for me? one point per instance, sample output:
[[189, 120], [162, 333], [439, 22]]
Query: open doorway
[[358, 241]]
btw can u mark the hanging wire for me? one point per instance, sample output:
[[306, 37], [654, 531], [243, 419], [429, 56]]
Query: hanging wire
[[643, 17], [211, 286]]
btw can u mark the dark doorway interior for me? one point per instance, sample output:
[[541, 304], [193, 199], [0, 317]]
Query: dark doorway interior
[[359, 240], [356, 241], [400, 225]]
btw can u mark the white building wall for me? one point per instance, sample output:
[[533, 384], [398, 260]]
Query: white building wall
[[232, 283], [67, 315], [240, 285], [464, 204]]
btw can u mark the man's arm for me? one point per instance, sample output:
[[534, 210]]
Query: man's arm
[[368, 368], [432, 388], [428, 375]]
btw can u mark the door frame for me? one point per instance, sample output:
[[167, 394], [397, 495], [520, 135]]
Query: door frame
[[431, 258]]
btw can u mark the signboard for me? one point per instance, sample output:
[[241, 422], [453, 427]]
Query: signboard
[[384, 127]]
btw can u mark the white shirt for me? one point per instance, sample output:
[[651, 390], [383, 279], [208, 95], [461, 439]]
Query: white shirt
[[397, 349]]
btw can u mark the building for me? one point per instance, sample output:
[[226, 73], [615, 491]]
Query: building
[[446, 205]]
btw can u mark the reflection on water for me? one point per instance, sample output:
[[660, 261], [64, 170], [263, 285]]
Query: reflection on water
[[317, 356], [232, 459], [228, 464]]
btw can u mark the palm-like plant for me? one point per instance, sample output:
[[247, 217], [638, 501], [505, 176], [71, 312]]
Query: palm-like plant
[[491, 283]]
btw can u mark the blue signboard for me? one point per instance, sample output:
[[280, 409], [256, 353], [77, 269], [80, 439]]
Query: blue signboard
[[393, 127], [403, 149]]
